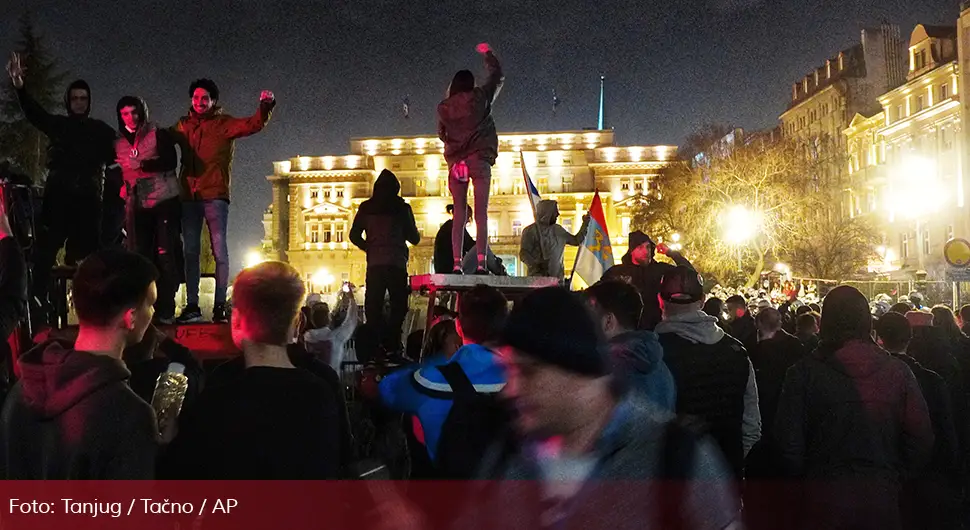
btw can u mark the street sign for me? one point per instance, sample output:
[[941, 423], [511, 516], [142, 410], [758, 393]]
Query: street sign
[[956, 252], [954, 274]]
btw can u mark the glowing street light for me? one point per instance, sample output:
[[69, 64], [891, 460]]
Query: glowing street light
[[253, 258], [675, 237], [321, 278], [740, 225]]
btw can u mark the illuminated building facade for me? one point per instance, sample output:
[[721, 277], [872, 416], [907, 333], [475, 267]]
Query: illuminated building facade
[[909, 159], [315, 198]]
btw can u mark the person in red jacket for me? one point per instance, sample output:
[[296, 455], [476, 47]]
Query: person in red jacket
[[207, 139]]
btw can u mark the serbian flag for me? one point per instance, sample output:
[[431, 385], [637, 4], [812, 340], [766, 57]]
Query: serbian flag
[[530, 188], [595, 255]]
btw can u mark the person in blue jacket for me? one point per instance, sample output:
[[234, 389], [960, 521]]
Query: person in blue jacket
[[636, 354], [481, 315]]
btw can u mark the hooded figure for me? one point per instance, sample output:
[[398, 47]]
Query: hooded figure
[[78, 150], [853, 420], [544, 242], [62, 390], [153, 210], [382, 228]]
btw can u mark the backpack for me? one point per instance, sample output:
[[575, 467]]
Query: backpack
[[475, 420]]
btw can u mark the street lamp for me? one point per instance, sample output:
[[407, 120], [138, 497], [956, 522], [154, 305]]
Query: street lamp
[[740, 224], [253, 258]]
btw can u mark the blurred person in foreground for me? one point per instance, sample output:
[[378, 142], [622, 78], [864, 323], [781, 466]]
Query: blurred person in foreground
[[73, 415], [274, 421], [592, 456], [13, 290], [636, 354], [852, 423]]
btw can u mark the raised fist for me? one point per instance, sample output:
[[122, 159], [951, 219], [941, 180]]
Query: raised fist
[[266, 95], [483, 48]]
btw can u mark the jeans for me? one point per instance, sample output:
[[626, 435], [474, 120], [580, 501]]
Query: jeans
[[394, 281], [216, 215], [157, 231], [480, 174]]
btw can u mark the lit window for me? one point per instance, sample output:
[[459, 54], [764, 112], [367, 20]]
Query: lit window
[[919, 103], [904, 245], [516, 227], [339, 235], [314, 234], [926, 242], [625, 186], [314, 194], [327, 235], [944, 91], [567, 183], [326, 195], [340, 194]]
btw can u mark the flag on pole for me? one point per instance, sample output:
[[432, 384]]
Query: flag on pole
[[595, 255], [530, 188]]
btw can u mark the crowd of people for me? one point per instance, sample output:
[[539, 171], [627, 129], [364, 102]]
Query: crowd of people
[[641, 402]]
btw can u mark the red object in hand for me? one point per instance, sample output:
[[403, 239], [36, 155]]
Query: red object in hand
[[483, 48], [662, 248]]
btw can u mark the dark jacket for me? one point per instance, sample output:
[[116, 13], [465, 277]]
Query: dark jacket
[[80, 147], [207, 142], [810, 342], [745, 330], [388, 223], [771, 359], [444, 259], [465, 122], [73, 416], [639, 357], [946, 460], [853, 413], [932, 349], [152, 357], [646, 278], [13, 287]]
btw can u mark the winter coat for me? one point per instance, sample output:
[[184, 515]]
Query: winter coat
[[745, 330], [80, 147], [388, 223], [946, 459], [465, 123], [771, 359], [616, 495], [932, 349], [207, 142], [646, 278], [73, 416], [639, 357], [444, 259], [853, 413], [154, 181], [715, 382], [544, 242], [400, 390]]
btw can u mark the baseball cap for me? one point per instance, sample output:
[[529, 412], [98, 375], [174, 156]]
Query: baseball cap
[[682, 285]]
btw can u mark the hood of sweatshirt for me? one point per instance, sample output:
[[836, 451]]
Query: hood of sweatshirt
[[640, 349], [56, 377], [696, 326], [78, 84]]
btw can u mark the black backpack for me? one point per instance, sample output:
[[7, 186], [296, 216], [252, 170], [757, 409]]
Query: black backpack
[[475, 420]]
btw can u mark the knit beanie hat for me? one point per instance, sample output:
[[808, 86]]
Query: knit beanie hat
[[554, 326]]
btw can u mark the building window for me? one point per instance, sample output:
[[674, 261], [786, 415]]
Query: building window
[[904, 245], [567, 161], [944, 91], [339, 234], [396, 165], [420, 165], [327, 235], [495, 187], [639, 186], [326, 194], [315, 234], [340, 194], [567, 183], [625, 186], [492, 229], [517, 227], [542, 184], [420, 227], [926, 242], [919, 103], [419, 183], [314, 194], [542, 161]]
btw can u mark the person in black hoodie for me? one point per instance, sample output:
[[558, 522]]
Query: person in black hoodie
[[638, 267], [852, 422], [443, 254], [930, 500], [382, 228], [146, 154], [152, 356], [273, 421], [80, 148], [73, 415], [466, 127], [741, 322], [13, 292]]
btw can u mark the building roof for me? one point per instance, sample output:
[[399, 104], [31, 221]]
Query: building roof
[[940, 32]]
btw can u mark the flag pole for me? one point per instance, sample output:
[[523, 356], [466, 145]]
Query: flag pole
[[572, 273], [535, 214]]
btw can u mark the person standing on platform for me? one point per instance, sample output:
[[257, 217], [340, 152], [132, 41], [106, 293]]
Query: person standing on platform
[[544, 241], [466, 127], [80, 148], [444, 255], [382, 228], [207, 139], [147, 158]]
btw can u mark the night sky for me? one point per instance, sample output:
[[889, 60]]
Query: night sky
[[342, 69]]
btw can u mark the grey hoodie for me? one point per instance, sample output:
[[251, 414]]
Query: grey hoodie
[[544, 242], [700, 328]]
